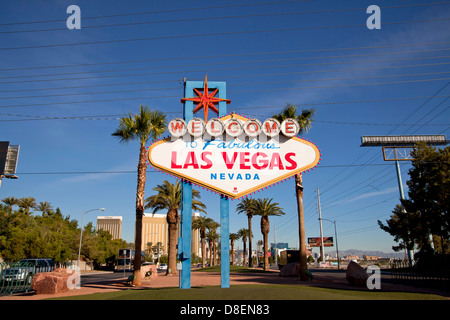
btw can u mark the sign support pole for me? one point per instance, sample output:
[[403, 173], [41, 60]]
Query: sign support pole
[[224, 243], [186, 211], [224, 212], [184, 248]]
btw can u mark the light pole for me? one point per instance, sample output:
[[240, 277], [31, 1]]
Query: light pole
[[81, 232], [335, 234]]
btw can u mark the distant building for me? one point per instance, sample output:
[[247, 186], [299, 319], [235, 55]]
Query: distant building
[[280, 245], [113, 224], [155, 229], [351, 257], [371, 258]]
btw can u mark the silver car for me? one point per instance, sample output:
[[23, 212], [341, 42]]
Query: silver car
[[16, 274]]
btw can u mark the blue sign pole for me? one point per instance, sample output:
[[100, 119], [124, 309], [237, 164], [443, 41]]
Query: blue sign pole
[[224, 214], [224, 242], [184, 249]]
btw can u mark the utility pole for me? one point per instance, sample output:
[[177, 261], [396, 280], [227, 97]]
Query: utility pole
[[322, 254]]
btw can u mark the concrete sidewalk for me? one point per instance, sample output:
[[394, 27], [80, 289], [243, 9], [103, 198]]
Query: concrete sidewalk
[[200, 279]]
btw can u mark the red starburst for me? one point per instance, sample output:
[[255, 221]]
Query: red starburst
[[205, 100]]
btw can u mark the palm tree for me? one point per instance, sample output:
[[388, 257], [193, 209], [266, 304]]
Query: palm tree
[[233, 238], [141, 127], [10, 201], [45, 207], [202, 223], [244, 233], [26, 204], [304, 120], [245, 207], [168, 197], [265, 208], [212, 236]]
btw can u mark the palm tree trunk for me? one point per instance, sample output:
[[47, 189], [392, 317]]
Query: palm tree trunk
[[266, 256], [232, 253], [214, 252], [250, 259], [203, 252], [265, 227], [245, 251], [140, 193], [210, 252], [172, 221], [301, 226]]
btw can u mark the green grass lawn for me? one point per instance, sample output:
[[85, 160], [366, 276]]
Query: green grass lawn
[[253, 292]]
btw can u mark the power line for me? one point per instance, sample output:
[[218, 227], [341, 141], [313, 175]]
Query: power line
[[237, 62], [196, 35], [217, 18], [114, 116], [148, 171], [244, 91], [159, 11], [229, 55], [373, 158], [227, 69], [234, 84]]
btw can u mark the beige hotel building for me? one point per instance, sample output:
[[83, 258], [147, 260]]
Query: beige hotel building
[[155, 229], [113, 224]]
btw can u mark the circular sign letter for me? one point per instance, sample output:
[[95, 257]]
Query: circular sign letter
[[214, 127], [252, 127], [177, 127], [196, 127], [290, 127], [271, 127], [233, 127]]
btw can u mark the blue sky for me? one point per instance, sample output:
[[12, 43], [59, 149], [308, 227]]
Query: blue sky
[[63, 90]]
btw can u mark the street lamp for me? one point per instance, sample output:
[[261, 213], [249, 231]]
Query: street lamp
[[81, 232], [335, 234]]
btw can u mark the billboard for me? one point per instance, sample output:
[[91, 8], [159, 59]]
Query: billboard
[[4, 145], [315, 242], [233, 155]]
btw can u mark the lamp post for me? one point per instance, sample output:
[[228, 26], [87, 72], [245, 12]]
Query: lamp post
[[335, 234], [81, 232]]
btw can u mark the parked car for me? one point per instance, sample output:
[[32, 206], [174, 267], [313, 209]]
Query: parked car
[[162, 266], [38, 265], [24, 270], [16, 274]]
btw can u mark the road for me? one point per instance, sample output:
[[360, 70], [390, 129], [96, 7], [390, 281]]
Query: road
[[106, 276], [96, 277]]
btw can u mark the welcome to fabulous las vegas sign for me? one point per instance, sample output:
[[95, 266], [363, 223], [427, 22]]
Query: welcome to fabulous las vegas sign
[[233, 155]]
